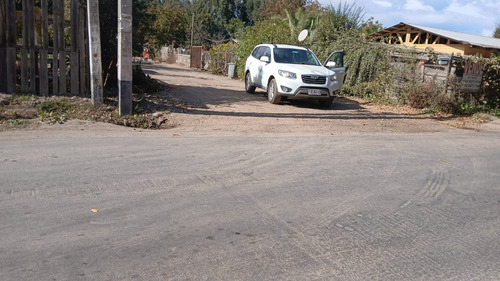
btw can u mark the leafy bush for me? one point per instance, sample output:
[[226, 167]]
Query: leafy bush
[[220, 56], [491, 78]]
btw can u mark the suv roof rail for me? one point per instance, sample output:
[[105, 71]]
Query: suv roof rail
[[272, 43], [275, 44]]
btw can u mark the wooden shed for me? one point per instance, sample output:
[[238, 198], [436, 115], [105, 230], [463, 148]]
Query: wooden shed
[[440, 40]]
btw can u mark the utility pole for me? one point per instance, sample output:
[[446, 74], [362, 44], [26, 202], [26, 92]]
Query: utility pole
[[125, 56], [95, 52], [192, 29]]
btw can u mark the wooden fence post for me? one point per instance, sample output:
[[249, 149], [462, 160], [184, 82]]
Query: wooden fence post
[[125, 56], [31, 46], [44, 75], [95, 52]]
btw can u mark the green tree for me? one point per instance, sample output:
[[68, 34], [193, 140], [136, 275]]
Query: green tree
[[371, 26], [168, 26], [236, 28], [496, 33], [254, 9], [334, 24], [277, 8], [209, 19]]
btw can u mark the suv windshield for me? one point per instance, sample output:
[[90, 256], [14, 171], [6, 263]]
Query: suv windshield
[[298, 56]]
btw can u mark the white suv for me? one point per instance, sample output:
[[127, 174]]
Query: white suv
[[289, 71]]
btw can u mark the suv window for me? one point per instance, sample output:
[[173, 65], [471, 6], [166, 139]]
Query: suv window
[[261, 51], [255, 52], [298, 56]]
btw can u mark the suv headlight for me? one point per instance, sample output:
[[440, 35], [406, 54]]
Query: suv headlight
[[287, 74], [333, 78]]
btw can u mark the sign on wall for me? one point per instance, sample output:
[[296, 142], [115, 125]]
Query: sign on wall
[[473, 76]]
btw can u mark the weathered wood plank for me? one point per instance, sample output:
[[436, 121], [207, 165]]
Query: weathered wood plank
[[3, 48], [24, 50], [10, 12], [82, 45], [62, 50], [44, 75], [74, 67], [31, 46], [55, 49]]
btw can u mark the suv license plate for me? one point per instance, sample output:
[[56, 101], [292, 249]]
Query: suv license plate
[[314, 92]]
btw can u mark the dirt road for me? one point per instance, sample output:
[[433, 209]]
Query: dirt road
[[208, 103], [244, 190]]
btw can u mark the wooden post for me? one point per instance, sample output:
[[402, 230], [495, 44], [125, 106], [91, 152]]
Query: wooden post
[[3, 48], [95, 52], [74, 66], [125, 56], [44, 74], [10, 12]]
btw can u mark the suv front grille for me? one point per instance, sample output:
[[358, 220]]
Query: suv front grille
[[314, 79]]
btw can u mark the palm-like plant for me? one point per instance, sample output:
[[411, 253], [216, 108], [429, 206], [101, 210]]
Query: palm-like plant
[[301, 20]]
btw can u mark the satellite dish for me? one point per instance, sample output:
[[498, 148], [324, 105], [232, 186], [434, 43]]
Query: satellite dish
[[303, 35]]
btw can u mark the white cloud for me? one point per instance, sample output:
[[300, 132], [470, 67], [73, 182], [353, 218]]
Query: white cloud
[[416, 5], [385, 4], [470, 16], [487, 32]]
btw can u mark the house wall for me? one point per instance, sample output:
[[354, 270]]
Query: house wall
[[469, 50]]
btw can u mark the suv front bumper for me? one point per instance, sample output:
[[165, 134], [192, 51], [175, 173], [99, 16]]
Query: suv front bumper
[[305, 92]]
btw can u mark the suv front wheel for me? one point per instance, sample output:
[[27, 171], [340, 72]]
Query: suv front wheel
[[272, 92]]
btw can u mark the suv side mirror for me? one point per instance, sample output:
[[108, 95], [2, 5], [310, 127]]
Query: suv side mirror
[[331, 64], [265, 59]]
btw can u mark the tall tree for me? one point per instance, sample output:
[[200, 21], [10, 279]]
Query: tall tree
[[254, 9], [169, 25], [371, 26], [496, 34], [276, 8]]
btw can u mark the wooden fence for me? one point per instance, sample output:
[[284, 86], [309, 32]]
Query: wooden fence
[[44, 53]]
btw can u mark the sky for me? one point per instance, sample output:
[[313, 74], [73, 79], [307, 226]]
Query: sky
[[478, 17]]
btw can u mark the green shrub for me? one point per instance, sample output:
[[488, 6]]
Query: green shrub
[[220, 56]]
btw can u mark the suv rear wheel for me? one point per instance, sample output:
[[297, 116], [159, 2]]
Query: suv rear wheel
[[272, 92]]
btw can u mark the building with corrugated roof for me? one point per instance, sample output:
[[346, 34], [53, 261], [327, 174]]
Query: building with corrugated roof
[[440, 40]]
